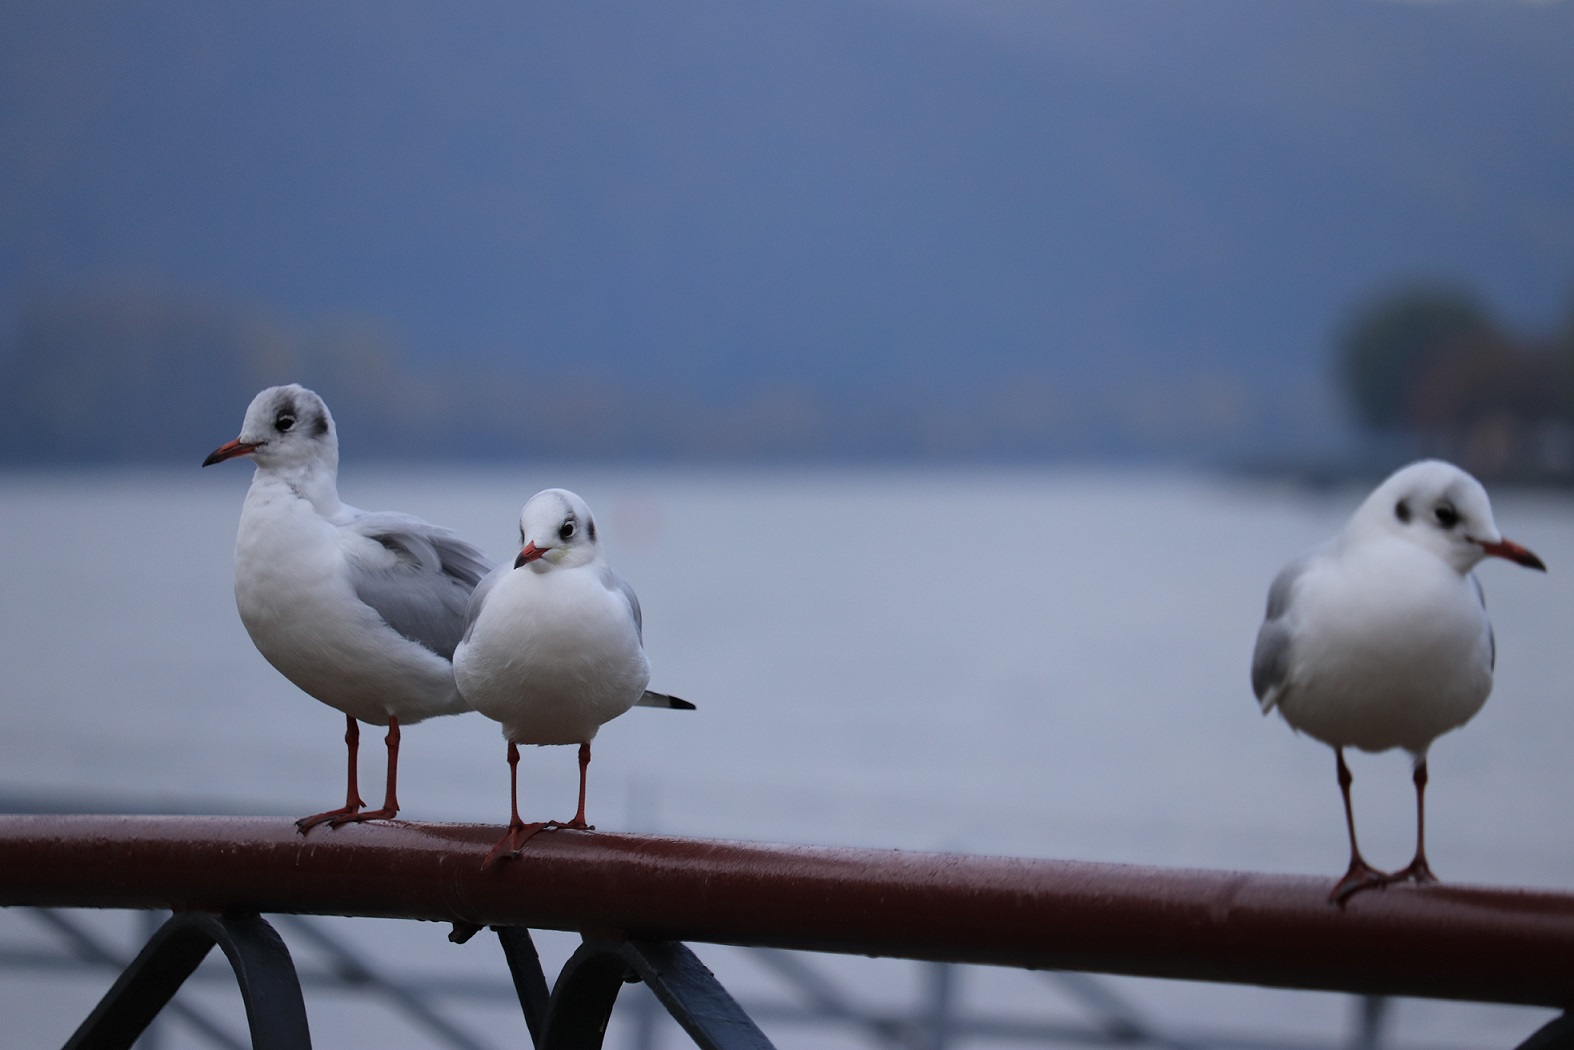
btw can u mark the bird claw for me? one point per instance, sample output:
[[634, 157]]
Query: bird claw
[[364, 815], [513, 841], [1419, 871], [333, 818], [1361, 876]]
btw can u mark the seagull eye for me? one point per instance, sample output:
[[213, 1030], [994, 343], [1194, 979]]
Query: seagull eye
[[567, 531], [1402, 511], [1446, 515], [284, 421]]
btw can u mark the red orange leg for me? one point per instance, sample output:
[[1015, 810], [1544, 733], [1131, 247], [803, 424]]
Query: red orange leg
[[1419, 869], [1360, 875], [352, 797], [390, 807], [518, 832], [578, 823]]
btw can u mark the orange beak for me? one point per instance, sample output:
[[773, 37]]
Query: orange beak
[[1514, 553], [229, 451], [529, 554]]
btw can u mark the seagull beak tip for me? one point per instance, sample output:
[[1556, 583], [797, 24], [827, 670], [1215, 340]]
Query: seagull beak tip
[[229, 450], [1516, 554]]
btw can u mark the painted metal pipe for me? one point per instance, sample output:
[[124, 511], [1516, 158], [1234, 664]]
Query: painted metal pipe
[[1438, 941]]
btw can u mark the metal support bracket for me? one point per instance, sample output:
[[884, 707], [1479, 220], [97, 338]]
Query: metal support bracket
[[1556, 1034], [581, 1004], [530, 982], [275, 1011]]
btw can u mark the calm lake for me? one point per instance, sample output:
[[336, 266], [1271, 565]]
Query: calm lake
[[1012, 661]]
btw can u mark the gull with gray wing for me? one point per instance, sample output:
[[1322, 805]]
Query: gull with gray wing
[[361, 610], [1380, 639], [554, 647]]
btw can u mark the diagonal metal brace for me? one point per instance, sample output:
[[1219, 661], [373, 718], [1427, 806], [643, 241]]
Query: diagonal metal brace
[[586, 990], [530, 982], [275, 1010], [1556, 1034]]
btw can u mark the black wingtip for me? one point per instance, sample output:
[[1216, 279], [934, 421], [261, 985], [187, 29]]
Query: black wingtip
[[655, 699]]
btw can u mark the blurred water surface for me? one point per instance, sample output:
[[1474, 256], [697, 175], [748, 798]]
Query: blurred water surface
[[1021, 661]]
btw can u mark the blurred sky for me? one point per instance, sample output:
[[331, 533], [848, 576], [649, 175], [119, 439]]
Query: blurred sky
[[827, 228]]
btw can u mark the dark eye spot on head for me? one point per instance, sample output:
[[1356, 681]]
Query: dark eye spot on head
[[1446, 515], [1402, 511], [567, 530], [590, 529], [283, 422], [319, 426]]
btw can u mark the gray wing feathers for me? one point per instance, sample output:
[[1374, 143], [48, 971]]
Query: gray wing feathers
[[1283, 584], [478, 596], [423, 592], [618, 584], [1270, 663], [1271, 658], [1481, 596]]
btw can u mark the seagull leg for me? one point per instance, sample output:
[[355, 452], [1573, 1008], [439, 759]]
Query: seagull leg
[[518, 832], [1361, 875], [390, 807], [578, 823], [352, 797], [1419, 869]]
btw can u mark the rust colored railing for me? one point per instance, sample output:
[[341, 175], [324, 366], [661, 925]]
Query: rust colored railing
[[1444, 941]]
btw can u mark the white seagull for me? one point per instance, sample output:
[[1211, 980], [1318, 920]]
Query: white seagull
[[553, 647], [1380, 638], [361, 610]]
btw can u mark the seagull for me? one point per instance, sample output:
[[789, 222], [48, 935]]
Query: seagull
[[361, 610], [1380, 639], [553, 648]]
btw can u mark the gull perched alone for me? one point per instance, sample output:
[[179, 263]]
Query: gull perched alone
[[361, 610], [554, 647], [1380, 638]]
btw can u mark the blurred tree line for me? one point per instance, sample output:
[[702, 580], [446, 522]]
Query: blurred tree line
[[132, 373], [138, 372], [135, 373], [150, 373], [1431, 364]]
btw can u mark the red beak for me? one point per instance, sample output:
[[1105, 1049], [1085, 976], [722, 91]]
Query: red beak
[[229, 451], [530, 554], [1514, 553]]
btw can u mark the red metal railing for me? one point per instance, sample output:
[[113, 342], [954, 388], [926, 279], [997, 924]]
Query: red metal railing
[[1442, 941]]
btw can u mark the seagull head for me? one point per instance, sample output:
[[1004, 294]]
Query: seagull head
[[1437, 506], [556, 531], [286, 426]]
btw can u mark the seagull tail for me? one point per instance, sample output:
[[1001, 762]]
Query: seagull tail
[[655, 699]]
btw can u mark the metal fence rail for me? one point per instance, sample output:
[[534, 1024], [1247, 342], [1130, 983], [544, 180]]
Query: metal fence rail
[[1445, 941], [1441, 941]]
